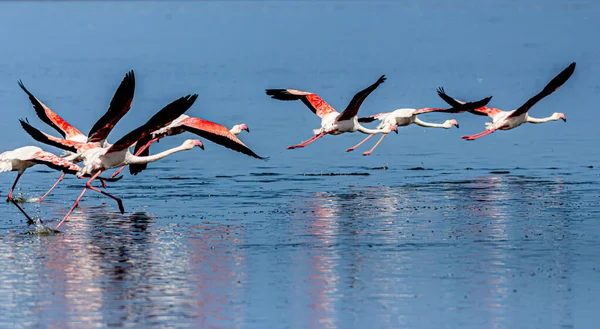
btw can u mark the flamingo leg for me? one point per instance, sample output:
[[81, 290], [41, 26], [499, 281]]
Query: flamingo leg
[[30, 221], [479, 135], [52, 188], [71, 210], [375, 146], [10, 198], [136, 153], [89, 185], [303, 144], [359, 144]]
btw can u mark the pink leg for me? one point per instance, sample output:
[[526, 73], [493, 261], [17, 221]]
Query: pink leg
[[52, 188], [10, 198], [375, 146], [359, 144], [89, 185], [303, 144], [476, 136], [71, 210], [137, 153]]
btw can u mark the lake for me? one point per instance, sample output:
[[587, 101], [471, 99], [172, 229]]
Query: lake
[[430, 231]]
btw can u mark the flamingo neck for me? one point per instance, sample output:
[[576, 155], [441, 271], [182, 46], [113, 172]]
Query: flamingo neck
[[134, 159], [541, 120], [431, 125]]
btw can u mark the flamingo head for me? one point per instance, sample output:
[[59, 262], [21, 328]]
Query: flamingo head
[[239, 128], [560, 116], [450, 123], [191, 143], [394, 128]]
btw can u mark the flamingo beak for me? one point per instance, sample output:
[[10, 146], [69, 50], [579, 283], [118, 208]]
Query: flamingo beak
[[563, 117], [395, 128], [457, 125], [199, 144]]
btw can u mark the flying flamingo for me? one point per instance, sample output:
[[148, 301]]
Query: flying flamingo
[[405, 116], [28, 156], [506, 120], [97, 160], [212, 131], [332, 122], [119, 106]]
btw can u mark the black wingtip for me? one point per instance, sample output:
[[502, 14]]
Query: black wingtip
[[381, 79], [282, 95]]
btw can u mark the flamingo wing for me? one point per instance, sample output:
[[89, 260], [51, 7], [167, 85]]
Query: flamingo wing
[[218, 134], [135, 169], [372, 118], [551, 87], [315, 103], [50, 117], [163, 118], [54, 162], [352, 110], [461, 106], [119, 106], [42, 137]]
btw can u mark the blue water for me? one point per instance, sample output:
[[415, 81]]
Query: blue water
[[430, 231]]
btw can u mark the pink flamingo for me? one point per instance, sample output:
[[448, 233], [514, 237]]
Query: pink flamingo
[[506, 120], [98, 159], [26, 157], [119, 106], [406, 116], [212, 131], [332, 122]]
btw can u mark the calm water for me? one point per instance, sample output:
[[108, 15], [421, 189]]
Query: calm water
[[498, 233]]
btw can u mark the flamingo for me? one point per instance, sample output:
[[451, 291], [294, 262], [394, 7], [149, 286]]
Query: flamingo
[[119, 106], [212, 131], [332, 122], [26, 157], [506, 120], [98, 159], [406, 116]]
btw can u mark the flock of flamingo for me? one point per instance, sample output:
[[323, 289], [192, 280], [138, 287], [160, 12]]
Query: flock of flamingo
[[98, 155]]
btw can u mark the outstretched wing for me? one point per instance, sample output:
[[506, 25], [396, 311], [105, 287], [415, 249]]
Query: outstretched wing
[[42, 137], [159, 120], [135, 169], [473, 107], [551, 87], [352, 110], [119, 106], [372, 118], [55, 162], [217, 133], [50, 117], [315, 103]]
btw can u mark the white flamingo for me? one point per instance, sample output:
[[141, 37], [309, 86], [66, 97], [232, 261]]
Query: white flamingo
[[506, 120], [406, 116], [332, 122], [26, 157]]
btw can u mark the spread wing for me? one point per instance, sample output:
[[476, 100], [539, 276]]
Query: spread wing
[[551, 87], [42, 137], [119, 106], [315, 103], [217, 133], [372, 118], [54, 162], [461, 106], [159, 120], [352, 110], [50, 117]]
